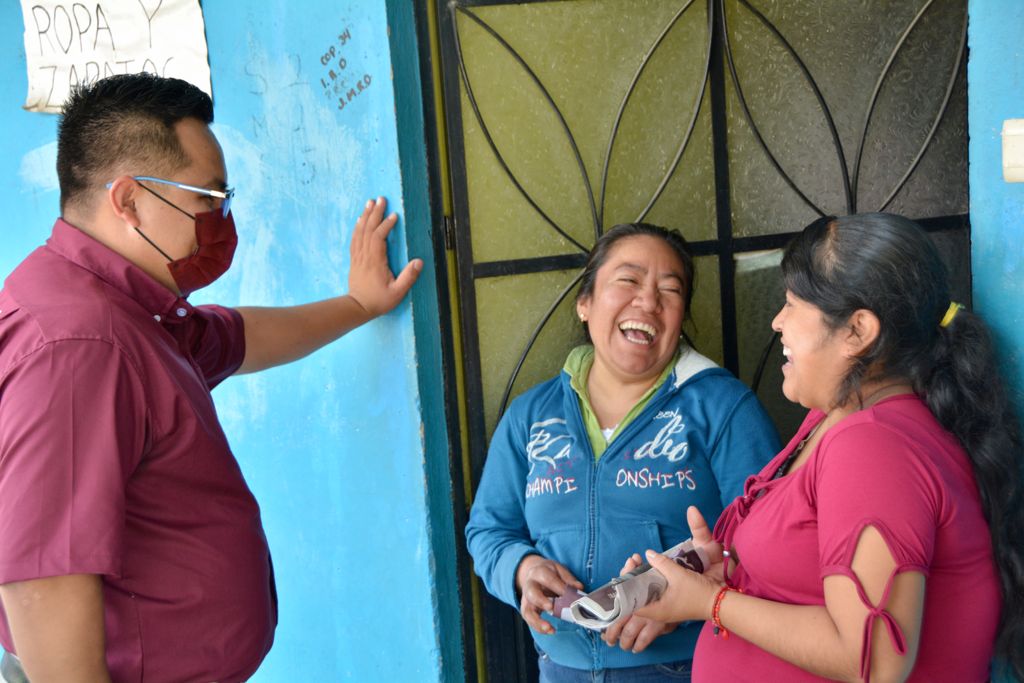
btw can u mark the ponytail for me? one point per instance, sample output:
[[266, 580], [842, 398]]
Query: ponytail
[[965, 392]]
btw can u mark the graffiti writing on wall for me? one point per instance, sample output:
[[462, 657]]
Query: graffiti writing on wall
[[341, 81]]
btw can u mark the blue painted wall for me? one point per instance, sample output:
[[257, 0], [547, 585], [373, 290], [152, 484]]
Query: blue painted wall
[[350, 473], [995, 77], [995, 82]]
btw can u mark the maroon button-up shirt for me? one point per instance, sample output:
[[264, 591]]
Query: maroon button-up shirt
[[113, 462]]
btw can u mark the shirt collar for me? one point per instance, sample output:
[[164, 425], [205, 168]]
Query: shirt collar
[[118, 272], [578, 365], [581, 359]]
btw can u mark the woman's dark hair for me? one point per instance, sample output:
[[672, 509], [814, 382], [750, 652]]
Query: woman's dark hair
[[124, 122], [603, 247], [888, 265]]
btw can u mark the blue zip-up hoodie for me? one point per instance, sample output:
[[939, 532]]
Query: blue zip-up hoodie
[[700, 436]]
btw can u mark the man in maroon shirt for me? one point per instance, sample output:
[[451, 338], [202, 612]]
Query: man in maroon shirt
[[131, 548]]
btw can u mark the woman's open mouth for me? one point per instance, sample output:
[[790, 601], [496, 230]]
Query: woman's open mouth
[[637, 332]]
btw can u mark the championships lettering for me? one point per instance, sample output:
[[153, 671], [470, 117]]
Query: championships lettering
[[646, 479], [550, 485]]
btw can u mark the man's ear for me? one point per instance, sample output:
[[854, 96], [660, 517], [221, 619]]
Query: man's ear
[[121, 198], [863, 329]]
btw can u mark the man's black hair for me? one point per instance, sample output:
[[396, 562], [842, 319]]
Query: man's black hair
[[124, 124]]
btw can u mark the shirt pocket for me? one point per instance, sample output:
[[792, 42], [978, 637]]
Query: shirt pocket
[[565, 544], [617, 542]]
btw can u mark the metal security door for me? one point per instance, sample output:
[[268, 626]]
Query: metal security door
[[735, 121]]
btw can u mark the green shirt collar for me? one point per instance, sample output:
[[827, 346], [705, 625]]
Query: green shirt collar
[[577, 366]]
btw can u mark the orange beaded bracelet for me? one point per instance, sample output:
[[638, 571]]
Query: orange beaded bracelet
[[716, 610]]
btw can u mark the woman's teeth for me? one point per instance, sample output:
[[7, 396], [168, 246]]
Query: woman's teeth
[[638, 332]]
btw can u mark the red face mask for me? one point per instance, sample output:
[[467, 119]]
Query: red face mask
[[217, 239]]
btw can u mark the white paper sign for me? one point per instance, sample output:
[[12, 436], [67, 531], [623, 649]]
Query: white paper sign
[[69, 43]]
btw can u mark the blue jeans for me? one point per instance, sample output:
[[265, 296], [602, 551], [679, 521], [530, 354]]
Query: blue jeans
[[671, 672]]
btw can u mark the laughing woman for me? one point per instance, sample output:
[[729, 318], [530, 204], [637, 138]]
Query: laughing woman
[[600, 461], [886, 541]]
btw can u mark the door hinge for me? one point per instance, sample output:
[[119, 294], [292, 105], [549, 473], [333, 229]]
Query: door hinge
[[449, 233]]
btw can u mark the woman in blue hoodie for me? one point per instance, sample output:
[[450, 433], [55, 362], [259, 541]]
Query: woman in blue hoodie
[[604, 459]]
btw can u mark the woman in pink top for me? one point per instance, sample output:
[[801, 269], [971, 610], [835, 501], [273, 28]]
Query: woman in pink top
[[886, 541]]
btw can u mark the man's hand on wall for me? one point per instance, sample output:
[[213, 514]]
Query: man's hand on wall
[[370, 280]]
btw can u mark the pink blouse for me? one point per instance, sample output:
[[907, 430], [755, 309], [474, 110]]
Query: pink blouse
[[893, 467]]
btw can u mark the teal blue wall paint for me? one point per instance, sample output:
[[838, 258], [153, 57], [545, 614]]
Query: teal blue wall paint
[[345, 453], [423, 213], [995, 78], [995, 92]]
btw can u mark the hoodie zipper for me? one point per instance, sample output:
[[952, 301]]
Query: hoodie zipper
[[595, 467]]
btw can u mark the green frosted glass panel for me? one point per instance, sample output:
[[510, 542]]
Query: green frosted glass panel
[[789, 120], [844, 46], [908, 104], [508, 311], [585, 54], [759, 296], [705, 326], [530, 139], [655, 125]]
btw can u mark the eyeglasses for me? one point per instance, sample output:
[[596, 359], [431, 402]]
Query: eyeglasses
[[226, 195]]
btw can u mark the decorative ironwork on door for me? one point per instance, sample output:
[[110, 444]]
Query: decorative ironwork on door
[[735, 121]]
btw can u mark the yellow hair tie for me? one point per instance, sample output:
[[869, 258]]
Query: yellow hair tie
[[951, 312]]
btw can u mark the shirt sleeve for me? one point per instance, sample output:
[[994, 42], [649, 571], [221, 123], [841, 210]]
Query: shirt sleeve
[[72, 430], [217, 342], [870, 475], [497, 534], [747, 441]]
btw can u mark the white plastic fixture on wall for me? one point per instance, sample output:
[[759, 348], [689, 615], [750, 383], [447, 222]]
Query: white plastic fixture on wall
[[1013, 150]]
